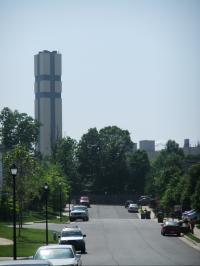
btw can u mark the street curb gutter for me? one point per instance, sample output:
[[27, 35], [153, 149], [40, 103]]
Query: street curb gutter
[[190, 242]]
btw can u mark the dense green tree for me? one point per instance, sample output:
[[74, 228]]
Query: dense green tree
[[139, 168], [115, 146], [88, 155], [173, 148], [28, 177], [194, 185], [17, 128], [196, 197], [102, 159], [64, 153], [168, 164], [57, 183]]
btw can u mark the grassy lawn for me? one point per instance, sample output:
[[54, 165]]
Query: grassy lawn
[[194, 238], [27, 243], [198, 226], [40, 217]]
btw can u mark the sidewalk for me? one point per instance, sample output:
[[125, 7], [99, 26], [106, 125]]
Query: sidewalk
[[5, 242], [197, 232]]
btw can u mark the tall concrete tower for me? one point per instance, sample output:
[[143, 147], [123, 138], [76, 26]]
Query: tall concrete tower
[[48, 102]]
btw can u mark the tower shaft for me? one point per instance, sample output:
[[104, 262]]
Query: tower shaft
[[48, 102]]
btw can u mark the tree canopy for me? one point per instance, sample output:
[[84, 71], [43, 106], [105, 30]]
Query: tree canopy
[[17, 128]]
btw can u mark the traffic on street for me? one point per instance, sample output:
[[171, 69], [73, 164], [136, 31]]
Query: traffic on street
[[118, 237]]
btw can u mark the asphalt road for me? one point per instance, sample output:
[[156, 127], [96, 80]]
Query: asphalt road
[[116, 237]]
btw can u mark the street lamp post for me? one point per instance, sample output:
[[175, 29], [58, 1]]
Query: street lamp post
[[13, 171], [105, 196], [60, 184], [46, 212]]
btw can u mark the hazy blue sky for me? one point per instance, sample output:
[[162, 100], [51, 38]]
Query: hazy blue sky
[[133, 64]]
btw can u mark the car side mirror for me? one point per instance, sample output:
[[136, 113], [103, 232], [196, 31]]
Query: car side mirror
[[84, 235]]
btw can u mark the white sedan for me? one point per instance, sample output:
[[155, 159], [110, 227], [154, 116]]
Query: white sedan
[[59, 255], [133, 207]]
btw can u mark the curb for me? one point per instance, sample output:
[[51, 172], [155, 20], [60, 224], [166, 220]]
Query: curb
[[190, 242]]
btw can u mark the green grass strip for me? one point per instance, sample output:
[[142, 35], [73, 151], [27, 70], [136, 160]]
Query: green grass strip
[[27, 243], [192, 237]]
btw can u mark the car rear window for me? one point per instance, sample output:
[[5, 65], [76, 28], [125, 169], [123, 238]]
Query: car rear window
[[71, 233], [56, 253]]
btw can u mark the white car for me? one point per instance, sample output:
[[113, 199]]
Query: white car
[[73, 236], [59, 255], [133, 207], [26, 262], [78, 214]]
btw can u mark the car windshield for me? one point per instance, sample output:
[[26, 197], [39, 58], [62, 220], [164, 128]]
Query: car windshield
[[71, 233], [171, 223], [79, 208], [54, 253], [85, 198]]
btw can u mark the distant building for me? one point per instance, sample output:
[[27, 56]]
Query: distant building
[[147, 145], [188, 150], [48, 102], [186, 143]]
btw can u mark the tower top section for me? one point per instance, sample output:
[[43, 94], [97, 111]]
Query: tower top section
[[49, 52], [48, 63]]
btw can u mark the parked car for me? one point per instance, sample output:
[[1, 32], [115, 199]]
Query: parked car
[[185, 227], [59, 255], [133, 207], [84, 200], [144, 200], [191, 214], [78, 214], [73, 236], [127, 203], [170, 228], [28, 262], [80, 207]]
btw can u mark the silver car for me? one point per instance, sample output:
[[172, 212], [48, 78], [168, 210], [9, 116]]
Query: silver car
[[73, 236], [25, 262], [76, 214], [133, 207], [59, 255]]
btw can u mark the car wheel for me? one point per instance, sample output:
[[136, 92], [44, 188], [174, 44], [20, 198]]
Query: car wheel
[[83, 250], [179, 234]]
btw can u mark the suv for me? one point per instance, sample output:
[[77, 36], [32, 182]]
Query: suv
[[73, 236], [77, 213], [80, 207], [84, 201]]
